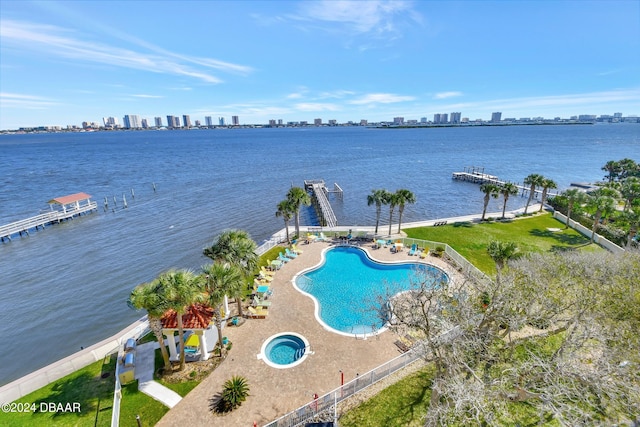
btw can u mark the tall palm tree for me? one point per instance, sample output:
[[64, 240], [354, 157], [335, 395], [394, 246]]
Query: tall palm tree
[[633, 217], [403, 197], [613, 169], [507, 189], [182, 289], [489, 190], [630, 191], [534, 180], [235, 247], [149, 296], [392, 201], [574, 197], [286, 211], [378, 198], [546, 185], [501, 252], [298, 197], [220, 280], [601, 203]]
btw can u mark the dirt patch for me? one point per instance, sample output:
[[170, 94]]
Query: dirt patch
[[193, 370]]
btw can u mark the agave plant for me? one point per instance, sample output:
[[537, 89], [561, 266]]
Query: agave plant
[[235, 391]]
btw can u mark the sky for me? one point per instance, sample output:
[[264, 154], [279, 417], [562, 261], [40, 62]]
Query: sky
[[65, 62]]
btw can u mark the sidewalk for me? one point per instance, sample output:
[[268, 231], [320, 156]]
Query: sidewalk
[[144, 374]]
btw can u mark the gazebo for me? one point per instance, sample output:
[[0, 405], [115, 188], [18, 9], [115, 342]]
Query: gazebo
[[71, 204], [198, 320]]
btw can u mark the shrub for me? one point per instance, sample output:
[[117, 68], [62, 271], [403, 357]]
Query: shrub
[[438, 251], [234, 392]]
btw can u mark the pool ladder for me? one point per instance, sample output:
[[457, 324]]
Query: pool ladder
[[299, 353]]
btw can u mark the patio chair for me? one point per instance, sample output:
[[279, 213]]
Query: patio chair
[[290, 253], [257, 313], [283, 258], [414, 249]]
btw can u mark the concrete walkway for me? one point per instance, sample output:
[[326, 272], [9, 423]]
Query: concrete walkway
[[145, 364]]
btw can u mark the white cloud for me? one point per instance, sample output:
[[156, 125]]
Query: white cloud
[[444, 95], [51, 40], [18, 100], [316, 106], [381, 98]]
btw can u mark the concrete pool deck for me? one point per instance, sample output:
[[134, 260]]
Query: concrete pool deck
[[275, 392]]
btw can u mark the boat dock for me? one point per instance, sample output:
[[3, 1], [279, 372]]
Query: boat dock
[[70, 206], [319, 194], [477, 176]]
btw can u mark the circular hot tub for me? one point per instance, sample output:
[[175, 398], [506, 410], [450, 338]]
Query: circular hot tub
[[284, 350]]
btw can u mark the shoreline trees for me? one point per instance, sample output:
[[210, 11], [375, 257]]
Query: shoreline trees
[[378, 198]]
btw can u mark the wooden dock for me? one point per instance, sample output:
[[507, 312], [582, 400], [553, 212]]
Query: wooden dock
[[71, 206], [320, 198], [477, 176]]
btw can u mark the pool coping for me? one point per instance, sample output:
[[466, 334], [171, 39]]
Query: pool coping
[[316, 303], [263, 351]]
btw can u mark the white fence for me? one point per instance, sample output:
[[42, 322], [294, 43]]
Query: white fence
[[607, 244], [324, 408]]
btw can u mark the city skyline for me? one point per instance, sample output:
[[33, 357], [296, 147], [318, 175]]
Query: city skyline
[[64, 63]]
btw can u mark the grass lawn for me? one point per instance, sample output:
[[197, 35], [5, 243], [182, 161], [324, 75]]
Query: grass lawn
[[85, 387], [531, 234], [135, 403]]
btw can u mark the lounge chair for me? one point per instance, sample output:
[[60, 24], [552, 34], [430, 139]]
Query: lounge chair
[[295, 249], [276, 264], [414, 250], [424, 253], [322, 237], [257, 313], [265, 277], [257, 302], [283, 258], [290, 253], [265, 272]]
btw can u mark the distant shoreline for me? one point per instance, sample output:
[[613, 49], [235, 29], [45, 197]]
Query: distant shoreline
[[466, 125]]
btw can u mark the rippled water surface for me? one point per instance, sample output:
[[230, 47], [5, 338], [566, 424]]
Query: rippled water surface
[[65, 287]]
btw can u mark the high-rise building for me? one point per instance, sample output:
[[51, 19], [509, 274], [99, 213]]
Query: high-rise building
[[221, 121], [317, 122], [272, 122], [186, 121], [398, 120], [444, 118], [158, 122], [436, 118], [364, 122], [110, 122], [333, 122], [496, 117], [132, 121], [235, 121], [279, 122], [423, 120], [173, 122], [455, 118], [208, 121], [145, 124]]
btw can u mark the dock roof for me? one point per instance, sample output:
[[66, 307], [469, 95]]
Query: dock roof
[[197, 316], [72, 198]]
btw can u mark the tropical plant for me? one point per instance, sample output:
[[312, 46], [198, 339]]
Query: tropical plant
[[392, 201], [182, 288], [632, 216], [546, 185], [630, 191], [613, 169], [149, 296], [507, 189], [403, 197], [501, 252], [534, 180], [489, 190], [378, 198], [220, 280], [298, 197], [234, 392], [235, 247], [286, 211], [574, 197], [601, 203]]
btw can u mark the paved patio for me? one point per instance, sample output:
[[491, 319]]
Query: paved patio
[[274, 392]]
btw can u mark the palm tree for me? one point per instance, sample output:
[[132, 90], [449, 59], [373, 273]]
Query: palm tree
[[149, 297], [630, 191], [613, 169], [220, 280], [507, 189], [298, 197], [182, 289], [633, 217], [546, 185], [402, 198], [601, 203], [501, 252], [392, 201], [489, 190], [534, 180], [379, 198], [235, 247], [574, 196], [286, 211]]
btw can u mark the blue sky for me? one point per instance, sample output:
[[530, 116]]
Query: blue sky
[[64, 63]]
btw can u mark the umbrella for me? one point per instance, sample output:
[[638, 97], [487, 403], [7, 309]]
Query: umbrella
[[192, 341]]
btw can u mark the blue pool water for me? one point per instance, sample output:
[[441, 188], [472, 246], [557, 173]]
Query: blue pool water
[[347, 286], [285, 349]]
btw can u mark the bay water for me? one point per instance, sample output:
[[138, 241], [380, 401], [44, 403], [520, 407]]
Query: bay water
[[66, 287]]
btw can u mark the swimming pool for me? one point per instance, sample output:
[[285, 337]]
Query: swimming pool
[[345, 287]]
